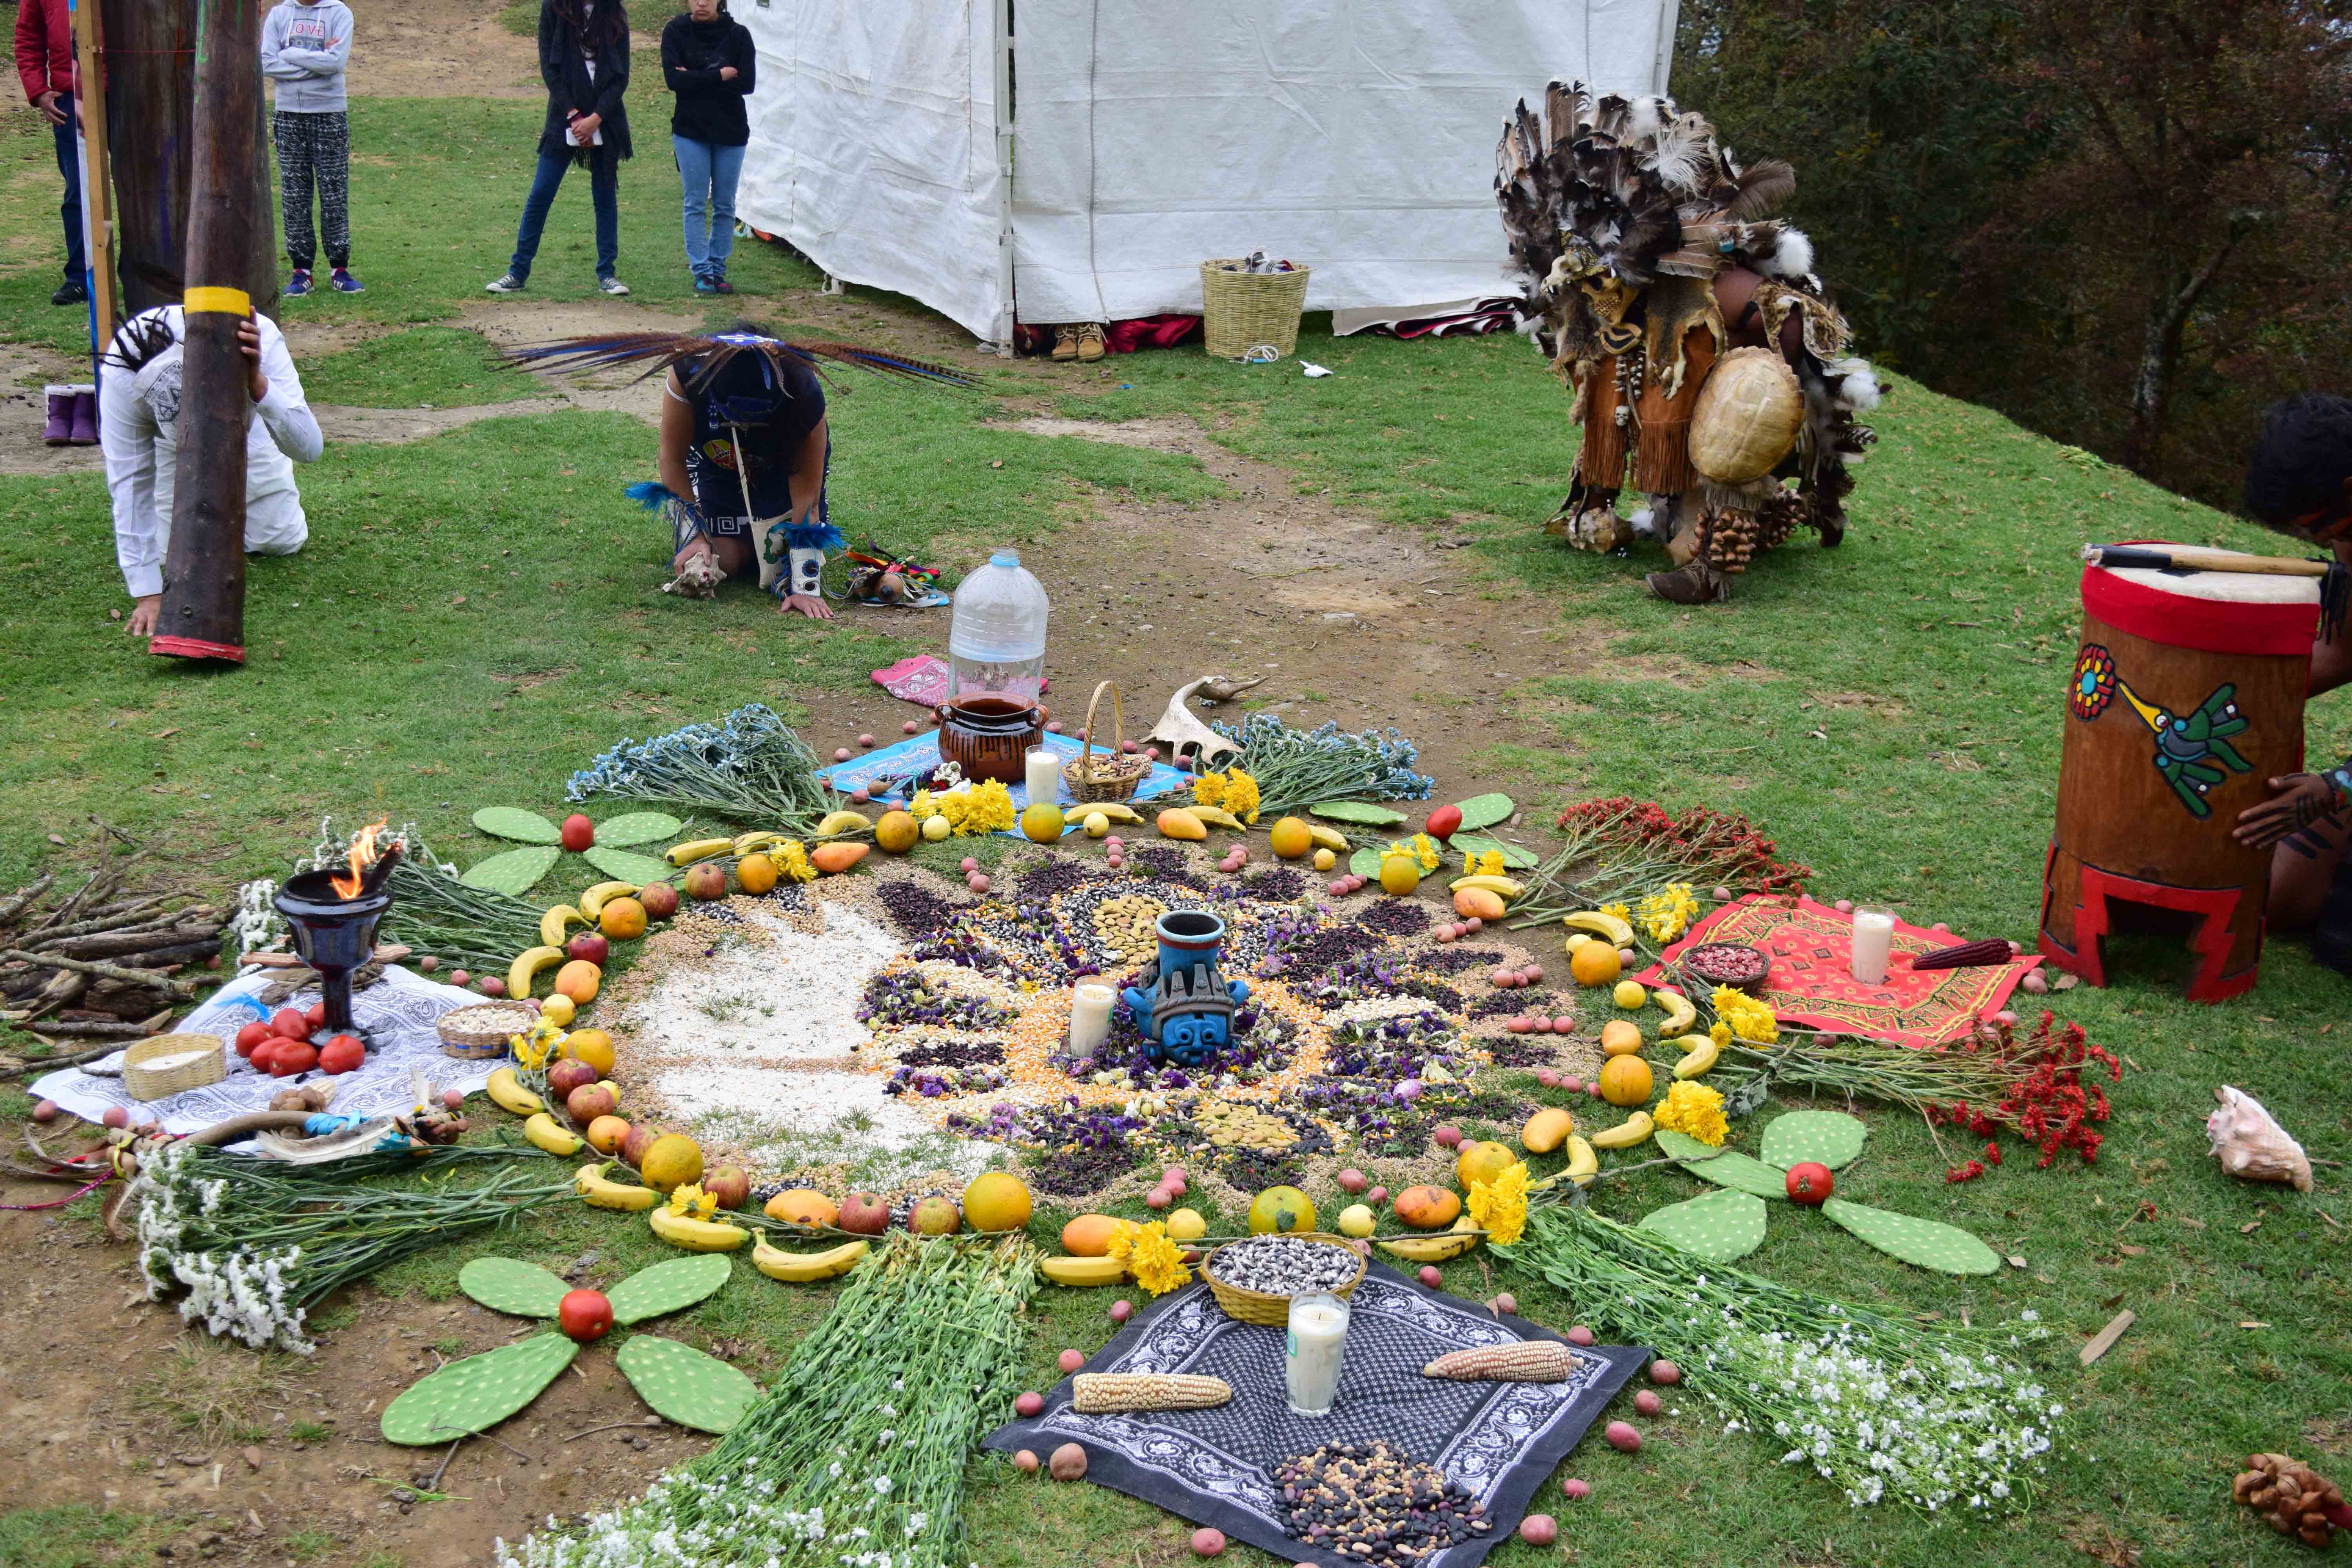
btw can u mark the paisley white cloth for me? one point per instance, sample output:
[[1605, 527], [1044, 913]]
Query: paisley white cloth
[[399, 1014]]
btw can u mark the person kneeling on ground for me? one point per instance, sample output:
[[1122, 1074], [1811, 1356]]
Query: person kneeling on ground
[[139, 415], [2300, 483]]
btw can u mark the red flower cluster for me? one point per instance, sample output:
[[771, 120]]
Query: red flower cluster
[[2045, 1101], [1710, 845]]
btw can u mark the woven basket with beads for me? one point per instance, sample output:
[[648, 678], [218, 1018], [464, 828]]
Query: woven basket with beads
[[1111, 775], [1274, 1311]]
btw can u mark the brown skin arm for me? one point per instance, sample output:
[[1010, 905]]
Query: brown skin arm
[[676, 434], [2297, 800], [1735, 287]]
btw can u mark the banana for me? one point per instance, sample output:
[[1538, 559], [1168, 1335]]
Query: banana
[[1703, 1053], [762, 838], [1507, 887], [1635, 1129], [800, 1268], [1600, 924], [1084, 1271], [601, 1192], [592, 901], [553, 924], [1680, 1014], [837, 823], [541, 1129], [695, 1234], [1330, 838], [695, 850], [508, 1094], [1218, 816], [528, 962], [1583, 1164], [1441, 1247], [1118, 811]]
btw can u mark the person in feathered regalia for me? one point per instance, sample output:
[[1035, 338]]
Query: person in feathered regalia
[[1701, 349]]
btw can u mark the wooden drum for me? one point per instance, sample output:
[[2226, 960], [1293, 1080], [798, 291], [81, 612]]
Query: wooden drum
[[2187, 700]]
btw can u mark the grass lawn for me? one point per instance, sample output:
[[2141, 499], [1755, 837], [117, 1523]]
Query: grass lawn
[[1891, 712]]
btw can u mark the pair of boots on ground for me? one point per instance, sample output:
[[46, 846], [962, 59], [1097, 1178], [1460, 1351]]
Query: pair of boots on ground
[[73, 416], [1080, 340]]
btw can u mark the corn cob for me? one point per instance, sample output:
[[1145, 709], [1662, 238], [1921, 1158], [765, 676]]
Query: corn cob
[[1520, 1361], [1966, 955], [1102, 1392]]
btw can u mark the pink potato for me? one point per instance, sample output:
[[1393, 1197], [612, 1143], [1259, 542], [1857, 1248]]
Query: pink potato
[[1572, 1488], [1071, 1360], [1207, 1543], [1430, 1276], [1622, 1437], [1647, 1402], [1029, 1403], [1579, 1335], [1026, 1462], [1665, 1374], [1122, 1311], [1539, 1530]]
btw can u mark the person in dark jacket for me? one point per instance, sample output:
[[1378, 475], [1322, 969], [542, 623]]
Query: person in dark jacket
[[710, 62], [45, 64], [583, 55]]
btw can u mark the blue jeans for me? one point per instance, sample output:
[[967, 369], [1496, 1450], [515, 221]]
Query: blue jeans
[[604, 188], [708, 173], [69, 165]]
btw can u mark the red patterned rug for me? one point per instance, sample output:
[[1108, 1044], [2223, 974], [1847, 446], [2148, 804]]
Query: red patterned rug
[[1811, 985]]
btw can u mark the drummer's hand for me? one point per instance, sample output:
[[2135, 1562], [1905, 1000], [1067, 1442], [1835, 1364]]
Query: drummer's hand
[[807, 605], [2298, 799]]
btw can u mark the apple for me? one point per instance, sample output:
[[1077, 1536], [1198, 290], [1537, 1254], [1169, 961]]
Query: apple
[[729, 1185], [290, 1024], [589, 1101], [590, 945], [637, 1140], [585, 1315], [1808, 1182], [659, 899], [569, 1074], [865, 1213], [706, 881], [579, 833], [936, 1215]]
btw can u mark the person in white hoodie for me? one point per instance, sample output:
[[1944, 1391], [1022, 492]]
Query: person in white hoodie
[[139, 419], [305, 44]]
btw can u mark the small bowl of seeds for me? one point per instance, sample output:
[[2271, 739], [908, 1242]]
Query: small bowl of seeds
[[1732, 964], [1253, 1280]]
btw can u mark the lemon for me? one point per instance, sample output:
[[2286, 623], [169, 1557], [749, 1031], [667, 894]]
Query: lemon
[[935, 829], [1041, 824], [1356, 1221], [1630, 996], [1325, 860], [1098, 826], [1186, 1225], [558, 1010]]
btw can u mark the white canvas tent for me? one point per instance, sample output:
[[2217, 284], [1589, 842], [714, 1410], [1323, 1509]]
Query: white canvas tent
[[1075, 160]]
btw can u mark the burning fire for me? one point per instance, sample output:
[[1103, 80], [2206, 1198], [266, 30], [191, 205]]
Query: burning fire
[[362, 856]]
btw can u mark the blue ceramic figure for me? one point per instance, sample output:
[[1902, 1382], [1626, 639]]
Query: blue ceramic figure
[[1184, 1007]]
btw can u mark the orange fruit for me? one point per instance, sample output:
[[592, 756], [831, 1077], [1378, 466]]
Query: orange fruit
[[1618, 1037], [1291, 838], [1595, 963], [593, 1047], [755, 874], [673, 1160], [580, 981], [623, 919], [1481, 1163], [1625, 1081], [897, 832], [606, 1133]]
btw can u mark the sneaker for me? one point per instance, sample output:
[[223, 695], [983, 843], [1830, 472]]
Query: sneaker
[[72, 292], [504, 283], [612, 286], [1090, 342], [721, 286], [299, 283], [345, 283], [704, 285], [1065, 344]]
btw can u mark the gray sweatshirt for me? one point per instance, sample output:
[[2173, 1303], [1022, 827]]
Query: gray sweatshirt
[[304, 46]]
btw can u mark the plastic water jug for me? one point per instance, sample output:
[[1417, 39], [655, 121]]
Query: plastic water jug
[[996, 637]]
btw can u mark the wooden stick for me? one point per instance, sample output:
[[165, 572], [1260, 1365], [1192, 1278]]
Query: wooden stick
[[106, 970], [2104, 1340], [66, 909], [13, 904], [127, 920], [2197, 558], [47, 1064]]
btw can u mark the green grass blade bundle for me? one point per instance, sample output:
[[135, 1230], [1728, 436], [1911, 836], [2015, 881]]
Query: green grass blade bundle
[[749, 767], [257, 1242], [1886, 1407], [1299, 768], [857, 1454]]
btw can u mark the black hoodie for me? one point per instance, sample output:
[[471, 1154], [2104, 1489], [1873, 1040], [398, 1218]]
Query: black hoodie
[[708, 110]]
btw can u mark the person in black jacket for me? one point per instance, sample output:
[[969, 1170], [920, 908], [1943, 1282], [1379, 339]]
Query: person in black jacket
[[583, 55], [709, 61]]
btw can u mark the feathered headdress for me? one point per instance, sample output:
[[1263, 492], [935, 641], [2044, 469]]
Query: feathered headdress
[[707, 359]]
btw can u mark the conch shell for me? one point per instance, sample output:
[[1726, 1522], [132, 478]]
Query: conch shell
[[2251, 1145]]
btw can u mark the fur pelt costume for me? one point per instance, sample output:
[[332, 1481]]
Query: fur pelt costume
[[1647, 254]]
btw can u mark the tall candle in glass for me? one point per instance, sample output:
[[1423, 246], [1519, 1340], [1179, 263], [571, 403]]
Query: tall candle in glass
[[1043, 773], [1873, 940], [1090, 1004], [1318, 1334]]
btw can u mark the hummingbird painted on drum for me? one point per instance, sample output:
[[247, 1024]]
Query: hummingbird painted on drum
[[2187, 746]]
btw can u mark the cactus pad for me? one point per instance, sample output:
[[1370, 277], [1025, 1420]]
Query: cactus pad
[[669, 1286], [1722, 1167], [514, 870], [514, 822], [637, 828], [1719, 1227], [1829, 1137], [623, 867], [685, 1386], [1925, 1242], [509, 1284], [478, 1393]]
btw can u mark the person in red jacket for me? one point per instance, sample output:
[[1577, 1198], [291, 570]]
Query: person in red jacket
[[45, 60]]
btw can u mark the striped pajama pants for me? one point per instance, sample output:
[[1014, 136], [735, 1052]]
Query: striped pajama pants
[[315, 150]]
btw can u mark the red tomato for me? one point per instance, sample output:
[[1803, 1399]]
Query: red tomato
[[249, 1038], [342, 1054], [585, 1315], [317, 1014], [289, 1023], [1808, 1182], [292, 1058], [1443, 823], [265, 1053]]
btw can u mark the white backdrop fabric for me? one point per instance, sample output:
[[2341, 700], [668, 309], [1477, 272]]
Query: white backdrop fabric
[[1356, 137]]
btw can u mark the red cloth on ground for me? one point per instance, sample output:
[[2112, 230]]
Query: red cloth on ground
[[1812, 984], [1120, 337], [44, 48]]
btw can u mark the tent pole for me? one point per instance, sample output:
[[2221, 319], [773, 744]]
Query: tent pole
[[97, 183], [1669, 20], [1001, 52]]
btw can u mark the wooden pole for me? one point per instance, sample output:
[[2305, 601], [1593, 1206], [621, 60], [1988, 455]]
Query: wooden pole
[[203, 612], [97, 199]]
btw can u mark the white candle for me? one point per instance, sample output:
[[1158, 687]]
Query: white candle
[[1874, 938], [1043, 776], [1090, 1005], [1318, 1333]]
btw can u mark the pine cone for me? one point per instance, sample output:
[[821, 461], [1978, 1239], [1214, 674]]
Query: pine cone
[[2296, 1499], [1727, 539]]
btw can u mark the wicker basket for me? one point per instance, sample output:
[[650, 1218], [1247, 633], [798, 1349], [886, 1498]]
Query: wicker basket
[[464, 1034], [141, 1083], [1274, 1311], [1242, 310], [1113, 776]]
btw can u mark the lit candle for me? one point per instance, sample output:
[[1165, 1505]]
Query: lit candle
[[1043, 776], [1874, 938], [1318, 1333], [1090, 1005]]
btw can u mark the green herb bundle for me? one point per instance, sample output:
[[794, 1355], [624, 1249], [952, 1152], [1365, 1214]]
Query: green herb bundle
[[1299, 768], [1883, 1406], [857, 1454], [749, 767]]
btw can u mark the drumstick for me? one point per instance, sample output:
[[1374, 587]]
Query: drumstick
[[2195, 558]]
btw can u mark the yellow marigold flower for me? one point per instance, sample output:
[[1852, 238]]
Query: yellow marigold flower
[[1695, 1110], [796, 861], [1240, 794], [690, 1200], [923, 806], [532, 1051], [1749, 1019], [1499, 1207], [1157, 1263], [1720, 1032], [1209, 789], [1426, 850], [1490, 864], [1122, 1239], [1620, 910], [987, 808]]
